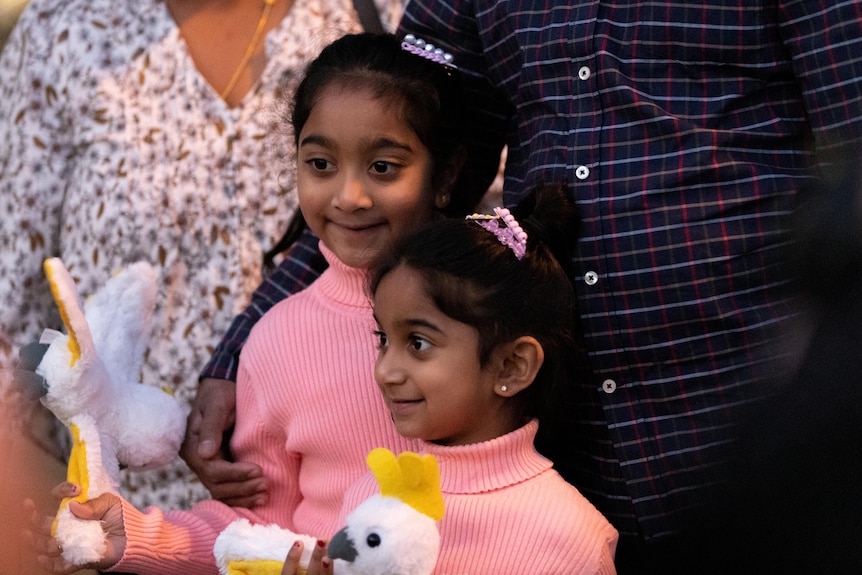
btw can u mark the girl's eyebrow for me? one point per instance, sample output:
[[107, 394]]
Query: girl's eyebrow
[[383, 143], [375, 144], [316, 139], [414, 323], [423, 323]]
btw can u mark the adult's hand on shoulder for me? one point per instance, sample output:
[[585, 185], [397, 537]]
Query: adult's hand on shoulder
[[204, 449]]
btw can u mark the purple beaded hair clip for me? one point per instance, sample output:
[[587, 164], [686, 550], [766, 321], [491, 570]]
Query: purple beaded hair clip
[[509, 232], [420, 47]]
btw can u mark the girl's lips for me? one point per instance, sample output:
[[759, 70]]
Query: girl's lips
[[355, 233], [355, 227], [403, 407]]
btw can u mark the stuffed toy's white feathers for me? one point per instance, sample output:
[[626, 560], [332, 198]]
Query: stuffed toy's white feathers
[[393, 533], [91, 384]]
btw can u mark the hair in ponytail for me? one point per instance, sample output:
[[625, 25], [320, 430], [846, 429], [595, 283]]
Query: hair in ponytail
[[474, 278]]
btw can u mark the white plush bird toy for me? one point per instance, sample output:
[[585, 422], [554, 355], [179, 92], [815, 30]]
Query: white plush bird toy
[[90, 382], [393, 533]]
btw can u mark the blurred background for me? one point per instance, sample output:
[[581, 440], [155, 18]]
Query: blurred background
[[9, 11], [26, 471]]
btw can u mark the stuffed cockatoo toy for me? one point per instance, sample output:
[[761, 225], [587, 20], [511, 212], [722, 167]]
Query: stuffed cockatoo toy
[[393, 533], [90, 382]]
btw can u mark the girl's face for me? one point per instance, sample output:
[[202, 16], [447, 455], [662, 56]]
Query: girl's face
[[364, 177], [428, 368]]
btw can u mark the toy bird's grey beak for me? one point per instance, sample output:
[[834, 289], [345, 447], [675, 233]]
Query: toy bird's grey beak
[[341, 547], [29, 383]]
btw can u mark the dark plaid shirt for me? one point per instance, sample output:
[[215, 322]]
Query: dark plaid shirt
[[684, 131]]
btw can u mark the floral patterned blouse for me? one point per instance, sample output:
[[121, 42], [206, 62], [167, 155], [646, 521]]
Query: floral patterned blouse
[[114, 149]]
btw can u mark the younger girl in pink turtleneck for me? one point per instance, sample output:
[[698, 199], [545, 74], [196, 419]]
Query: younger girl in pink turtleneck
[[474, 335]]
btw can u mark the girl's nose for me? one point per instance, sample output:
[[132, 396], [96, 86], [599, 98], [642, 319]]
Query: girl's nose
[[351, 195], [387, 370]]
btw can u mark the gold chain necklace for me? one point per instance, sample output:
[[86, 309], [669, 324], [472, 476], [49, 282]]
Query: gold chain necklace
[[249, 52]]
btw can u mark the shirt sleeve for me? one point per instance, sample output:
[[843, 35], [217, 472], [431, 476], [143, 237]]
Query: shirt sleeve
[[160, 541], [302, 264], [824, 40]]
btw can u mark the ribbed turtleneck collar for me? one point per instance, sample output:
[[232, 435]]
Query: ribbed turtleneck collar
[[490, 465], [341, 283]]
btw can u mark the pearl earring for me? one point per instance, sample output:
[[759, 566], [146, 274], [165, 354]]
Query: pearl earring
[[504, 388]]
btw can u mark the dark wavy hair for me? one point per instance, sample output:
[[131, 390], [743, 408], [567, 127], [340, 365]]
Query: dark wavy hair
[[473, 278], [426, 95]]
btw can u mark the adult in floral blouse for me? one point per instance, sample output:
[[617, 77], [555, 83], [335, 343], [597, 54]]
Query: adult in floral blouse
[[150, 130]]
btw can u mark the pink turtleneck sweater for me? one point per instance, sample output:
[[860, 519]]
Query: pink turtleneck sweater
[[308, 412], [509, 513]]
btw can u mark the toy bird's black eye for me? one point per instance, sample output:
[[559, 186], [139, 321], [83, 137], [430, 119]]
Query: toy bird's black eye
[[373, 540]]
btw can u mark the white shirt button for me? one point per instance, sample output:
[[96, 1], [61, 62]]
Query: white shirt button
[[609, 386], [591, 278], [584, 73], [582, 172]]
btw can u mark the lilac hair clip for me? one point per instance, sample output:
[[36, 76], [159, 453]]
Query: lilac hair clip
[[509, 232], [428, 51]]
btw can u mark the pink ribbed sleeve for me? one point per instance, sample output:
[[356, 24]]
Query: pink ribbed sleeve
[[174, 541]]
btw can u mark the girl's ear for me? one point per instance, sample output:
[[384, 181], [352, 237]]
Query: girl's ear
[[447, 178], [521, 361], [441, 200]]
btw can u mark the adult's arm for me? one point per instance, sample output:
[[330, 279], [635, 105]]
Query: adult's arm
[[824, 40]]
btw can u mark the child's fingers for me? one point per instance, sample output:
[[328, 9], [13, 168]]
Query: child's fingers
[[319, 564], [327, 566], [291, 562], [48, 552], [95, 509], [319, 550], [66, 489], [41, 544], [57, 565], [37, 521], [37, 535]]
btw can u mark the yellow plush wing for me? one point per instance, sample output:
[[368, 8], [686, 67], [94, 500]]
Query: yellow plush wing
[[62, 288], [77, 472], [258, 567]]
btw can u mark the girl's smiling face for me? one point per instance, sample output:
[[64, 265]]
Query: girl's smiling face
[[364, 177], [428, 368]]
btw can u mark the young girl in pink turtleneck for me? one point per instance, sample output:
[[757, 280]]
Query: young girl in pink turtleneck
[[475, 320], [379, 152]]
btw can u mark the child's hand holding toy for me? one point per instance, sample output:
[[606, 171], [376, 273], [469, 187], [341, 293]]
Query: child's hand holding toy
[[105, 510]]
